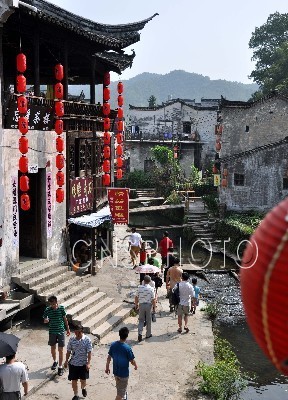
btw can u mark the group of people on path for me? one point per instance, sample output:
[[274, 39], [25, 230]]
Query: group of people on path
[[176, 281]]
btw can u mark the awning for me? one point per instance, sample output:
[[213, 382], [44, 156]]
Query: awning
[[92, 220]]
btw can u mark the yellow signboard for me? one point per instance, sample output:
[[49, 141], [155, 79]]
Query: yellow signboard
[[217, 179]]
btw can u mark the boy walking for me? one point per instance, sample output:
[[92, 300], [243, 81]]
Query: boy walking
[[195, 300], [122, 354], [55, 316], [80, 350]]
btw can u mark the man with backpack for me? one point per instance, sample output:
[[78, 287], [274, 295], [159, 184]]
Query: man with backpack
[[186, 294], [174, 275]]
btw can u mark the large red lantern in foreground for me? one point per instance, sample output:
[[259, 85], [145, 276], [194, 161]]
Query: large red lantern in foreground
[[264, 281]]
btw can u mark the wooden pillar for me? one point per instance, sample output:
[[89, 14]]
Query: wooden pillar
[[92, 82], [1, 65], [65, 81], [36, 47]]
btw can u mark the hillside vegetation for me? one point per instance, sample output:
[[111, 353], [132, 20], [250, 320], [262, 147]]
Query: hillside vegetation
[[176, 84]]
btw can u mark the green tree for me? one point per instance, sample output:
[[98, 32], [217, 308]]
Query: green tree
[[270, 51], [152, 101]]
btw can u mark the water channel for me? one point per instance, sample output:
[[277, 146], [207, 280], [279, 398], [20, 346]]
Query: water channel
[[224, 289]]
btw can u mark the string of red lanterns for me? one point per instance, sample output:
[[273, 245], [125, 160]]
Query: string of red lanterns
[[59, 127], [120, 128], [106, 166], [23, 126]]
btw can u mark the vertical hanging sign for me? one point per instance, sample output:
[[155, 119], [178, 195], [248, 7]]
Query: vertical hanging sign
[[118, 200], [15, 220], [49, 203]]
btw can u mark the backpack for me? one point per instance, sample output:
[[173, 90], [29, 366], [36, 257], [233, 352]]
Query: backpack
[[175, 295]]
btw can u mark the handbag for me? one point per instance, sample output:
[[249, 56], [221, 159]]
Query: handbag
[[153, 316]]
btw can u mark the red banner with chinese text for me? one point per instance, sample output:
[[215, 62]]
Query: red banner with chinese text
[[119, 205]]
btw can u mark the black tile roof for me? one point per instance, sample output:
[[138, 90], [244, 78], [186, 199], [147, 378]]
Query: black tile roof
[[113, 36], [117, 62]]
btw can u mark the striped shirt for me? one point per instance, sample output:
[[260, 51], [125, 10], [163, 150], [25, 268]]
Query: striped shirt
[[145, 294], [56, 319], [79, 350]]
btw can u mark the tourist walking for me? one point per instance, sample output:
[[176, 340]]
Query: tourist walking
[[170, 261], [13, 374], [187, 294], [55, 316], [174, 275], [164, 245], [122, 355], [195, 301], [134, 245], [145, 302], [79, 351]]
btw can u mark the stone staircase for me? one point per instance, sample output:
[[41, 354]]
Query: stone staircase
[[198, 219], [146, 193], [85, 305]]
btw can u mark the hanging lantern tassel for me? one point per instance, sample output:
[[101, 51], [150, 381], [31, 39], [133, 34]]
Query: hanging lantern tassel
[[264, 281]]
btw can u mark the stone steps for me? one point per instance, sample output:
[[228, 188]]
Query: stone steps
[[84, 304]]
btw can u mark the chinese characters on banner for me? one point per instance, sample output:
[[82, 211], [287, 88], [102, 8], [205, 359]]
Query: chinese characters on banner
[[119, 205], [49, 203], [216, 179], [15, 221], [81, 195], [40, 118]]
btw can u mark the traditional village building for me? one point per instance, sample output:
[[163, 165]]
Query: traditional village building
[[49, 35], [252, 143], [184, 123]]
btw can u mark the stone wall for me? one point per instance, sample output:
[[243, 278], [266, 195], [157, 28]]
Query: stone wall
[[253, 145]]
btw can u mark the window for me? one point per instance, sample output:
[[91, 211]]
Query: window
[[285, 183], [187, 127], [247, 129], [238, 180]]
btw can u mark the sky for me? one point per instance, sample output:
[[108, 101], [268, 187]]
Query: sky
[[206, 37]]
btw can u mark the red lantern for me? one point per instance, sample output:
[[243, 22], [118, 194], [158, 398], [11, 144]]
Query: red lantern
[[106, 152], [59, 72], [120, 100], [119, 173], [106, 123], [59, 195], [22, 104], [120, 125], [59, 145], [21, 83], [119, 138], [25, 202], [60, 161], [214, 170], [224, 182], [23, 145], [120, 87], [106, 109], [119, 162], [264, 279], [106, 179], [119, 150], [106, 166], [106, 79], [120, 113], [21, 62], [59, 126], [23, 125], [107, 138], [23, 164], [106, 94], [225, 172], [24, 183], [59, 108], [58, 91], [60, 178], [218, 146]]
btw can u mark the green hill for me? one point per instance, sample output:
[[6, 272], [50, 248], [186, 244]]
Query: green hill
[[175, 84]]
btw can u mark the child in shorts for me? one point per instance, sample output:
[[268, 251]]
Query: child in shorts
[[195, 300]]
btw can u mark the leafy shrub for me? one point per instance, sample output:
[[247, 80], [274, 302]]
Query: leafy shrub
[[173, 198], [224, 379], [211, 201], [139, 179], [212, 310]]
